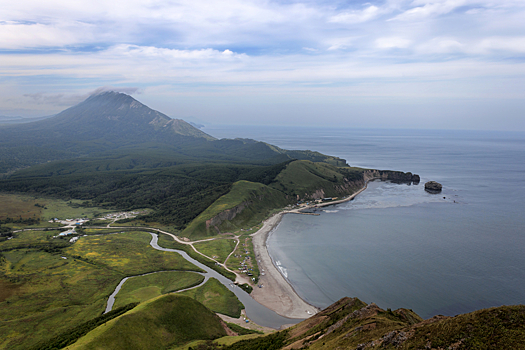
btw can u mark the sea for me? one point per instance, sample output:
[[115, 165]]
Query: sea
[[397, 245]]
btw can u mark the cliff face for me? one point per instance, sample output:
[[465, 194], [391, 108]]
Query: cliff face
[[394, 176], [226, 215], [349, 186]]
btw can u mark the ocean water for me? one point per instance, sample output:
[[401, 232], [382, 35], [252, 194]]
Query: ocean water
[[397, 245]]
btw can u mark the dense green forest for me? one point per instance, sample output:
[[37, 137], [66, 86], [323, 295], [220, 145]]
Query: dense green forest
[[177, 194]]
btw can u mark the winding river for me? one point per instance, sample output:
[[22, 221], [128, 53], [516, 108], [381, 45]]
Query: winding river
[[256, 312]]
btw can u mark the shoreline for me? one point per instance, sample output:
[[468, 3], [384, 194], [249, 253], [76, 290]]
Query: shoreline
[[277, 292]]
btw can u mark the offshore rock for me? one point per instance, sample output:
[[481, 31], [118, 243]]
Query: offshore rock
[[433, 187]]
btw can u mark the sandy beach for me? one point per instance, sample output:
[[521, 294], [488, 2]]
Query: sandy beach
[[277, 293]]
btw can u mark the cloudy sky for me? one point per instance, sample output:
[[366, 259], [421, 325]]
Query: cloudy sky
[[456, 64]]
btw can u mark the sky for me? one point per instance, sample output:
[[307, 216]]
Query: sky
[[443, 64]]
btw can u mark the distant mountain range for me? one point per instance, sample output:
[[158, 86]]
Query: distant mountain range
[[112, 123], [19, 120]]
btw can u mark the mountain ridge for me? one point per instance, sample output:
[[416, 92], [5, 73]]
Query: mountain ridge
[[112, 122]]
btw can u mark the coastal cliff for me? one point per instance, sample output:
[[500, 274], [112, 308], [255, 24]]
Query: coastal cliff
[[248, 203], [394, 176]]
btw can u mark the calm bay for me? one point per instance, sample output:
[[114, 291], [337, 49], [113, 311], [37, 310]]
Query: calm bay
[[397, 245]]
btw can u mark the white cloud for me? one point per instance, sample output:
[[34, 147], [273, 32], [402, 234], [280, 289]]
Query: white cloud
[[430, 9], [392, 43], [340, 43], [354, 16], [506, 44], [440, 46], [145, 52], [17, 35]]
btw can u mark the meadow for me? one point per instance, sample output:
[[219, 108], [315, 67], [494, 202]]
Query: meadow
[[218, 249], [53, 285], [168, 242], [44, 208], [142, 288]]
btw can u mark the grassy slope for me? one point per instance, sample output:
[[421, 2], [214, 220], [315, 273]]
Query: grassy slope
[[49, 295], [299, 179], [218, 249], [303, 178], [165, 321], [217, 298], [351, 324], [494, 328], [142, 288], [262, 199]]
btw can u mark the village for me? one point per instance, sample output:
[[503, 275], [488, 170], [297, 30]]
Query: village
[[72, 224]]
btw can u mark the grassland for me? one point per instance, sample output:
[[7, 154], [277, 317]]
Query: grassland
[[218, 249], [20, 206], [168, 242], [15, 206], [137, 223], [162, 322], [217, 298], [142, 288], [127, 253], [54, 285]]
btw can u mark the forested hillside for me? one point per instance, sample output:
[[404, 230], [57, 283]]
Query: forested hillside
[[111, 151]]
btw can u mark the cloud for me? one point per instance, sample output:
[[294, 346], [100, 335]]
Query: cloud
[[441, 46], [340, 43], [55, 53], [64, 99], [137, 51], [392, 43], [17, 35], [430, 8], [51, 99], [505, 44], [123, 89], [354, 16]]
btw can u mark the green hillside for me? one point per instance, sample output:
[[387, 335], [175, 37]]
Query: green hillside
[[165, 321], [246, 204], [302, 179], [217, 298]]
